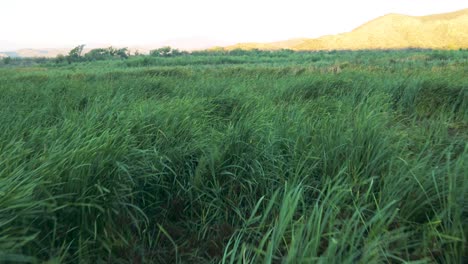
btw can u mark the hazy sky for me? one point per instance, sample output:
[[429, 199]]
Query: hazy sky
[[63, 23]]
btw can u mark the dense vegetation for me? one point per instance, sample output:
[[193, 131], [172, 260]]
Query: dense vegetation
[[255, 157]]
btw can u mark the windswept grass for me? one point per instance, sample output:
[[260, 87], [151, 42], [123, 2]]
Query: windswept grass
[[298, 158]]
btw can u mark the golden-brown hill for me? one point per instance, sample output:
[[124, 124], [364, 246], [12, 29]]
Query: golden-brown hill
[[392, 31]]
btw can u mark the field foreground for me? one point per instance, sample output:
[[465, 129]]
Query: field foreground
[[329, 157]]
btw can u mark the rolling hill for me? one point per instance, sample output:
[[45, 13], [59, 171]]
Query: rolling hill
[[392, 31]]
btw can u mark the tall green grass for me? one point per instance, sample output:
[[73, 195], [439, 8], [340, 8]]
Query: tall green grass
[[351, 157]]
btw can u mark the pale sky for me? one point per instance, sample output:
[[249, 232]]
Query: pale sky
[[65, 23]]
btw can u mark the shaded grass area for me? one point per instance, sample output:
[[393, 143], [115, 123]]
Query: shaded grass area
[[332, 160]]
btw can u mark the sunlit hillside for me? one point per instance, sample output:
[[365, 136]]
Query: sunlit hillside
[[392, 31]]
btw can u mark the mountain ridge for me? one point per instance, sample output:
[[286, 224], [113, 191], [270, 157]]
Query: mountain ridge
[[390, 31]]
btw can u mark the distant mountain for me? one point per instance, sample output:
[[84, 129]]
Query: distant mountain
[[392, 31]]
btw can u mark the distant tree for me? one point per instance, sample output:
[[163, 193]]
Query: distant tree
[[106, 53], [60, 59], [77, 51], [6, 60], [75, 54], [162, 52], [97, 54], [123, 53], [176, 52]]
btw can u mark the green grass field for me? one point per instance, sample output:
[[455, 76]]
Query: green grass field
[[324, 157]]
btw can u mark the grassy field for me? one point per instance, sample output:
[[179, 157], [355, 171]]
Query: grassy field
[[325, 157]]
